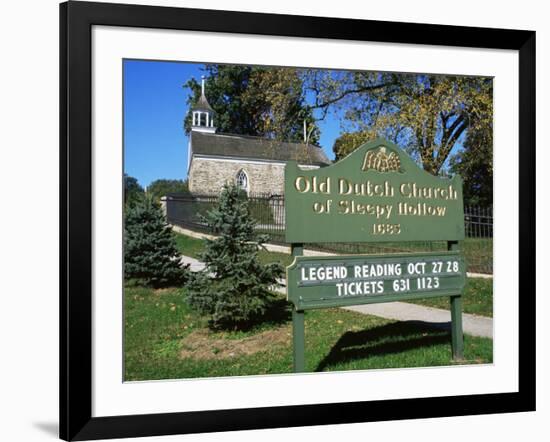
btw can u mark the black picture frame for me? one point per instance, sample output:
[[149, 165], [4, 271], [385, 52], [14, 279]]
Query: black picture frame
[[76, 21]]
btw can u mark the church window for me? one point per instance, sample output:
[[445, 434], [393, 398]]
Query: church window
[[242, 180]]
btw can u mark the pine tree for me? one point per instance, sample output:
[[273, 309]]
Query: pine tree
[[234, 286], [150, 253]]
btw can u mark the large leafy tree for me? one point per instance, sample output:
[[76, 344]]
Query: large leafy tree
[[475, 164], [133, 192], [277, 94], [258, 101], [429, 115], [225, 87], [349, 141], [162, 187]]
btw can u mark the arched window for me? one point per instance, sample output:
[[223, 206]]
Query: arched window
[[242, 180]]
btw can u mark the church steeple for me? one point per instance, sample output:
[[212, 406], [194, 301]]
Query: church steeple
[[203, 114]]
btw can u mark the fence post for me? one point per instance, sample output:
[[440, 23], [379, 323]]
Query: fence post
[[163, 206], [457, 336], [298, 326]]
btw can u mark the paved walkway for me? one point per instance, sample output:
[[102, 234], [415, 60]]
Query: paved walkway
[[286, 249], [401, 311]]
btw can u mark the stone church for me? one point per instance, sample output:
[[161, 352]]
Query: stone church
[[255, 164]]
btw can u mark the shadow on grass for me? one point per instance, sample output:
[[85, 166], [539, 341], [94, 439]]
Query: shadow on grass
[[278, 311], [391, 338]]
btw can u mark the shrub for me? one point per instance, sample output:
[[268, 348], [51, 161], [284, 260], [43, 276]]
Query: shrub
[[150, 253], [234, 286]]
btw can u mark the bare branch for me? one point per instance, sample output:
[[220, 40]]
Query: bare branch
[[325, 104]]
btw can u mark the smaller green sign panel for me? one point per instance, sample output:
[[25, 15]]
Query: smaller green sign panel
[[337, 281]]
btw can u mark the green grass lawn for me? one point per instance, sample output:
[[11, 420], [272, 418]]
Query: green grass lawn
[[479, 254], [477, 300], [165, 339], [189, 246], [193, 246]]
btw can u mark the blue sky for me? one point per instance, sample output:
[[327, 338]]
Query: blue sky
[[155, 144]]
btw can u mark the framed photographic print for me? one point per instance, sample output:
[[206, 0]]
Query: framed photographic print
[[272, 221]]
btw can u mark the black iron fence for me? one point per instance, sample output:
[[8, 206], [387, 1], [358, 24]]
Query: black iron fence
[[185, 210]]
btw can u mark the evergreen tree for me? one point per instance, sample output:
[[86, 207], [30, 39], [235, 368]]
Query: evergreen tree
[[150, 253], [234, 286]]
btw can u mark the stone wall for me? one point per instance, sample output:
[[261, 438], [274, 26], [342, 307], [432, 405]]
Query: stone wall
[[208, 176]]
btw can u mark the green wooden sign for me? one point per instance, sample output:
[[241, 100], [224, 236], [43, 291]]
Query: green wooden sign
[[338, 281], [375, 194]]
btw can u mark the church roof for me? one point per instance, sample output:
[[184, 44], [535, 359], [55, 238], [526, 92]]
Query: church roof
[[202, 104], [243, 146]]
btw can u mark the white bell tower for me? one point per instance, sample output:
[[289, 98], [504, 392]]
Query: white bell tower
[[203, 114]]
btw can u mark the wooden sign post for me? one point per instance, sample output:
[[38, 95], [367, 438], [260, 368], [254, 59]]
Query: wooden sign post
[[375, 194]]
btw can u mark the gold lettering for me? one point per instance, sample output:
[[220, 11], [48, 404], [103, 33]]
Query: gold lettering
[[302, 184], [405, 190], [366, 188], [324, 186], [341, 183], [413, 190], [344, 207], [322, 207]]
